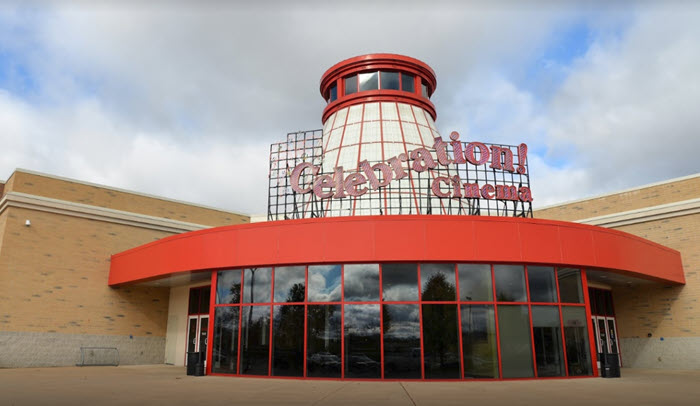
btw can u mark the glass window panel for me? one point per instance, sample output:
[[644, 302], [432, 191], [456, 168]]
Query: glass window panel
[[255, 340], [441, 341], [333, 93], [324, 283], [438, 282], [510, 283], [479, 341], [402, 357], [369, 81], [361, 282], [193, 307], [390, 80], [351, 85], [192, 334], [362, 341], [543, 287], [612, 334], [323, 341], [475, 282], [592, 300], [225, 352], [407, 82], [205, 295], [400, 282], [228, 287], [546, 330], [257, 285], [289, 284], [578, 354], [570, 287], [516, 349], [603, 332], [424, 89], [600, 300], [608, 303], [288, 340]]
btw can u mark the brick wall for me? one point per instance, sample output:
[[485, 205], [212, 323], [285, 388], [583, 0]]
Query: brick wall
[[100, 196], [646, 196], [54, 295]]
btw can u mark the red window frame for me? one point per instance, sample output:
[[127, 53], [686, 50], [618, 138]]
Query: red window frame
[[494, 302]]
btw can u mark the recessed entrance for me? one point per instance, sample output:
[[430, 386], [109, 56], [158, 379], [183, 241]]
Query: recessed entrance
[[604, 324], [198, 321]]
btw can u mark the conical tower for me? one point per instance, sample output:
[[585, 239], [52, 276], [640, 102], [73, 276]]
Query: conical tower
[[379, 153], [379, 109]]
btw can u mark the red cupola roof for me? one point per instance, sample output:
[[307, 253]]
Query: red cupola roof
[[378, 77]]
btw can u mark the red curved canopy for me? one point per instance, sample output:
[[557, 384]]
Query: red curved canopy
[[367, 239]]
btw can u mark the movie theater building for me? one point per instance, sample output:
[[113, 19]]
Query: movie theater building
[[389, 252]]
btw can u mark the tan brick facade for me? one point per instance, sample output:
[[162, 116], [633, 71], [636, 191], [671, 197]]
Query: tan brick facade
[[53, 273], [649, 315], [643, 197], [95, 195]]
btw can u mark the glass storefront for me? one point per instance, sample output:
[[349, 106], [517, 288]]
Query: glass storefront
[[401, 321]]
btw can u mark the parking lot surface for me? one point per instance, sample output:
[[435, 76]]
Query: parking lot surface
[[169, 385]]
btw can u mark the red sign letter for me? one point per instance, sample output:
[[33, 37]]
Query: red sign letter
[[296, 173]]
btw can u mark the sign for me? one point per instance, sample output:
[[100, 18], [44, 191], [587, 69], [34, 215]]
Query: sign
[[379, 175]]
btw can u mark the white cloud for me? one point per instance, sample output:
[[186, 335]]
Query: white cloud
[[184, 101], [629, 107]]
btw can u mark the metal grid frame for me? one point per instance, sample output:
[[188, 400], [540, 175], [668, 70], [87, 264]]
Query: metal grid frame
[[306, 146]]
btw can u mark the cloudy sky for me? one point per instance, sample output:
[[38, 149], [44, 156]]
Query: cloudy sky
[[183, 100]]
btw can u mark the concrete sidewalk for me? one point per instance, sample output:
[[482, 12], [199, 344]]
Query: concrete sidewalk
[[168, 385]]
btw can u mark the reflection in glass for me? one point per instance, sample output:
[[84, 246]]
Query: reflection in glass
[[543, 288], [324, 283], [510, 283], [479, 341], [288, 340], [323, 341], [228, 287], [369, 81], [407, 82], [570, 288], [255, 340], [440, 341], [402, 357], [438, 282], [333, 93], [516, 349], [546, 331], [475, 282], [390, 80], [289, 284], [362, 341], [225, 351], [400, 282], [351, 85], [424, 89], [257, 285], [361, 282], [578, 355]]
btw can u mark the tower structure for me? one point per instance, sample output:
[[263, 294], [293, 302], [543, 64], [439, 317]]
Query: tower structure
[[380, 153], [379, 109]]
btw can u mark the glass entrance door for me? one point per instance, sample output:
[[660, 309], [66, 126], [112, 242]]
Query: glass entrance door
[[197, 331], [606, 336]]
